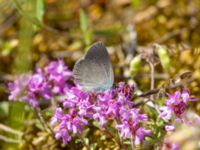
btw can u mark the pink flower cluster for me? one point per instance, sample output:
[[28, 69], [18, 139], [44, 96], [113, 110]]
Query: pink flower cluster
[[175, 107], [77, 107], [42, 85], [112, 105]]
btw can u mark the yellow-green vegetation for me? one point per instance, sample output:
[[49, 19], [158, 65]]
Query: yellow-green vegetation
[[143, 37]]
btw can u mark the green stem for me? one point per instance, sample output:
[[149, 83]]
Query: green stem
[[132, 143], [42, 121], [83, 142], [9, 140], [10, 130], [120, 143]]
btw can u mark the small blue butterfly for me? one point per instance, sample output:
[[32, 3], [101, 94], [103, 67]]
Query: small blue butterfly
[[94, 71]]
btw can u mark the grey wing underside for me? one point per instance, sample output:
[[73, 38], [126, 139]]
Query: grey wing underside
[[94, 72]]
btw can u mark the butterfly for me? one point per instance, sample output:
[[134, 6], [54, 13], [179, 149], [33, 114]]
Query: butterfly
[[94, 72]]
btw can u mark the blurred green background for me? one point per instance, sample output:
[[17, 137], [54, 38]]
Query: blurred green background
[[33, 32]]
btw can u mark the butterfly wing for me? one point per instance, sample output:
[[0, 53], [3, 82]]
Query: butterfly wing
[[94, 71]]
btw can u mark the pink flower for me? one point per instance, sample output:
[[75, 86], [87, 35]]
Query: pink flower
[[37, 82], [58, 74], [63, 134], [125, 90], [42, 85], [176, 105], [130, 126], [18, 87], [170, 146], [67, 124], [141, 133], [57, 71], [165, 113], [186, 96], [169, 128]]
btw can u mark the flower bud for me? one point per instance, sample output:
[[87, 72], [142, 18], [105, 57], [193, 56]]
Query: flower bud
[[164, 57], [135, 65]]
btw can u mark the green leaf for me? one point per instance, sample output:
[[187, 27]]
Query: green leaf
[[164, 58], [83, 20], [84, 26], [135, 3], [135, 65], [39, 9], [4, 108]]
